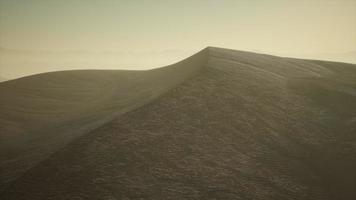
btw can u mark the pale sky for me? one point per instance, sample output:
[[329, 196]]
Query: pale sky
[[298, 28]]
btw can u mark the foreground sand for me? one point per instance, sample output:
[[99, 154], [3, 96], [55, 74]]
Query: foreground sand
[[222, 124]]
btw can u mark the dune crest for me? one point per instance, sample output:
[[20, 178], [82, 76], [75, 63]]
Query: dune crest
[[222, 124], [42, 113]]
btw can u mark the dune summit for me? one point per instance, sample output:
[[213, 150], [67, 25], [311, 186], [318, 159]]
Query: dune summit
[[222, 124]]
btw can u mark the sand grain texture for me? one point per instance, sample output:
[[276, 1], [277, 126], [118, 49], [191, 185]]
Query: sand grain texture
[[239, 126]]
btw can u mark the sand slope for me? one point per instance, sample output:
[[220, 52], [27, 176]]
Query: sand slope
[[246, 126], [40, 114]]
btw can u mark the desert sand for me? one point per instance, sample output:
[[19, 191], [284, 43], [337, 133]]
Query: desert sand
[[222, 124]]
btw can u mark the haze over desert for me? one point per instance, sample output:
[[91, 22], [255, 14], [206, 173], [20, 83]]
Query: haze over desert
[[177, 100]]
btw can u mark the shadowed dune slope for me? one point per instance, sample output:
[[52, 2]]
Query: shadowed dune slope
[[40, 114], [246, 126]]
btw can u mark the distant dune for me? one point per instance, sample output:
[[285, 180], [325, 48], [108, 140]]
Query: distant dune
[[222, 124], [16, 63]]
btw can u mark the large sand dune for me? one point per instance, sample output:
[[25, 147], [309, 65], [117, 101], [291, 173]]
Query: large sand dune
[[222, 124], [40, 114]]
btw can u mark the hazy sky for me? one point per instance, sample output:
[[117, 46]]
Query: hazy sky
[[281, 27]]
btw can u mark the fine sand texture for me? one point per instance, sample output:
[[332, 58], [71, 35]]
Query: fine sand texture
[[222, 124], [42, 113]]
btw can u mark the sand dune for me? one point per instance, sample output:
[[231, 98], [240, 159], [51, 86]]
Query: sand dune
[[40, 114], [222, 124]]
